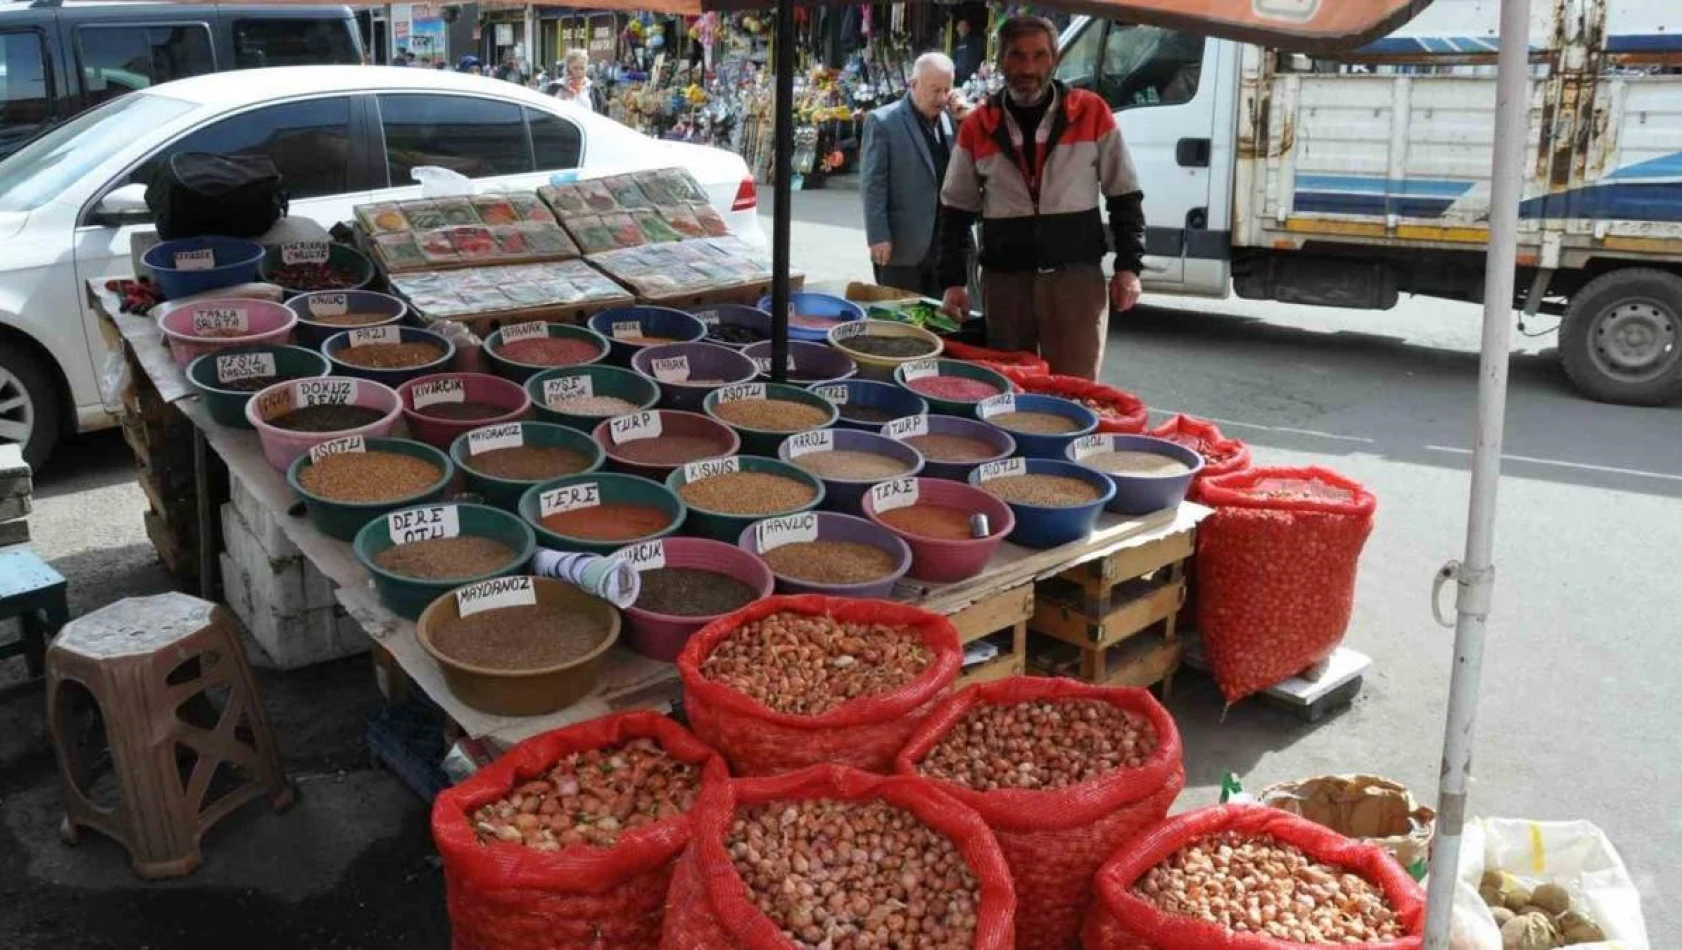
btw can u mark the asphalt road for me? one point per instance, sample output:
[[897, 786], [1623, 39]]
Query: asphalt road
[[1572, 722]]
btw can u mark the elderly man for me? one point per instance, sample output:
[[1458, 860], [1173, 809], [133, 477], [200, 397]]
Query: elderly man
[[907, 146]]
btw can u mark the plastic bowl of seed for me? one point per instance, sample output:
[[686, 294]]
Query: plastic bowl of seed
[[686, 372], [939, 524], [1150, 474], [345, 490], [843, 555], [726, 495], [697, 581], [601, 512], [881, 346], [849, 463], [629, 329], [346, 268], [556, 344], [295, 416], [502, 462], [197, 327], [391, 355], [1055, 502], [808, 363], [526, 659], [734, 325], [322, 313], [811, 314], [867, 405], [1043, 426], [764, 414], [582, 396], [951, 446], [227, 378], [416, 554], [952, 387], [654, 442], [440, 407]]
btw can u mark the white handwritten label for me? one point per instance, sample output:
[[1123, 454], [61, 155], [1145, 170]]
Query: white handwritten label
[[275, 403], [557, 391], [509, 435], [438, 391], [647, 556], [741, 391], [708, 317], [671, 369], [423, 524], [896, 493], [327, 392], [495, 594], [996, 405], [1091, 445], [220, 319], [849, 329], [920, 369], [907, 427], [569, 498], [348, 445], [837, 395], [364, 336], [202, 259], [711, 468], [634, 427], [304, 252], [1003, 468], [773, 533], [805, 443], [626, 329], [329, 305], [535, 330], [236, 366], [762, 364]]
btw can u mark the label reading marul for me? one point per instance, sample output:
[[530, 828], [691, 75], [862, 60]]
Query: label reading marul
[[237, 366], [534, 330], [805, 443], [326, 392], [496, 593], [364, 336], [920, 369], [773, 533], [569, 498], [996, 405], [345, 446], [423, 524], [897, 493], [647, 556], [626, 329], [276, 403], [557, 391], [509, 435], [221, 319], [708, 317], [907, 427], [304, 252], [1088, 446], [202, 259], [741, 391], [837, 395], [1004, 468], [711, 468], [634, 427], [438, 391], [329, 305], [671, 369], [850, 329]]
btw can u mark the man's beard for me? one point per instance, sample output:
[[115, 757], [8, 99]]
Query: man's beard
[[1029, 98]]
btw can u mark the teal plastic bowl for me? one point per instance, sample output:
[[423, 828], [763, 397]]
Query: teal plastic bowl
[[408, 596], [520, 372], [728, 528], [613, 489], [603, 380], [227, 406], [962, 370], [764, 442], [505, 493], [343, 519]]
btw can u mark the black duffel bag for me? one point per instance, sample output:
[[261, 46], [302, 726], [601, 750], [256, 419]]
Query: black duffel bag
[[198, 193]]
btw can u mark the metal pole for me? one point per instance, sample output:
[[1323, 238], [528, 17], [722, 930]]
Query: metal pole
[[1475, 576], [782, 176]]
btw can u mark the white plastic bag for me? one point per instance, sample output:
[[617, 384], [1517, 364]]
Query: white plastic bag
[[441, 182], [1576, 855]]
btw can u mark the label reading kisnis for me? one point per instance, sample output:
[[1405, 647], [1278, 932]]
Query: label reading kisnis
[[557, 391], [907, 427], [897, 493], [569, 498], [304, 252], [534, 330], [850, 329], [438, 391], [626, 329], [1004, 468], [996, 405], [647, 556], [326, 392], [773, 533], [423, 524], [741, 391], [348, 445], [837, 395], [496, 593], [762, 364], [221, 320], [364, 336], [671, 369], [1088, 446], [329, 305], [509, 435], [708, 317], [233, 367], [819, 440], [711, 468], [634, 427], [202, 259], [920, 369], [276, 403]]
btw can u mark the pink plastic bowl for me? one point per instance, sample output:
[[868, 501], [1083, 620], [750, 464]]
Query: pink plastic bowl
[[943, 562], [672, 423], [662, 636], [267, 322], [478, 387], [281, 446]]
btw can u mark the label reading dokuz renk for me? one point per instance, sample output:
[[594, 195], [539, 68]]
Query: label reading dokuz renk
[[326, 392], [496, 593]]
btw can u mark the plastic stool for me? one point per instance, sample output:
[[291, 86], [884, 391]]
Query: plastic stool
[[154, 668], [35, 594]]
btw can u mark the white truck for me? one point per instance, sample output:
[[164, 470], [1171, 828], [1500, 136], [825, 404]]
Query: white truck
[[1347, 182]]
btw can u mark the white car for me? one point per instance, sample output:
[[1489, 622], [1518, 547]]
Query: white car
[[72, 200]]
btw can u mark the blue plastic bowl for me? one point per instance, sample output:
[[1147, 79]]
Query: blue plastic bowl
[[816, 305], [1003, 443], [1141, 494], [236, 261], [888, 401], [846, 495], [1038, 526], [338, 342], [1041, 446], [672, 326]]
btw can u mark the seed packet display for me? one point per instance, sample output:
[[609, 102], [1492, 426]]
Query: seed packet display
[[591, 234], [473, 243], [398, 251], [423, 215], [710, 220], [545, 239], [529, 208], [625, 192], [458, 211], [495, 209], [564, 200], [383, 218], [436, 247], [625, 230], [683, 221], [510, 242], [597, 197], [654, 227], [682, 184]]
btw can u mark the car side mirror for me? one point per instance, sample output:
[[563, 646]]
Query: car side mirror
[[124, 206]]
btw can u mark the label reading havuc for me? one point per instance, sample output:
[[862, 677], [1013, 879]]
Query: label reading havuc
[[496, 593], [1004, 468], [525, 331], [996, 405], [367, 336], [671, 369], [837, 395], [509, 435], [329, 305], [202, 259], [711, 468], [741, 391], [1088, 446], [208, 320], [233, 367], [304, 252], [557, 391], [569, 498], [805, 443], [438, 391], [907, 427], [343, 446], [773, 533], [897, 493], [920, 369], [325, 392], [423, 524], [647, 556]]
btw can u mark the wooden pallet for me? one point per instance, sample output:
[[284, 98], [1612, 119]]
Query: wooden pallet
[[483, 325], [745, 294], [999, 616]]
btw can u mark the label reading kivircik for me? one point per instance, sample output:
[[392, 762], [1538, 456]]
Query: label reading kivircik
[[569, 498], [711, 468], [805, 443], [423, 524], [996, 405], [326, 392], [366, 336], [670, 369], [647, 556], [509, 435], [895, 493], [221, 319], [1004, 468], [741, 391], [343, 446], [233, 367], [496, 593], [773, 533], [535, 330], [438, 391], [557, 391], [634, 427], [329, 305], [920, 369], [304, 252], [1088, 446], [202, 259], [837, 395], [626, 329], [907, 427]]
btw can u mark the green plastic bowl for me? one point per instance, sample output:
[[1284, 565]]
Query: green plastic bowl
[[342, 256], [955, 407], [505, 493], [227, 406], [604, 381], [520, 372], [408, 596], [764, 442], [614, 489], [342, 519], [728, 528]]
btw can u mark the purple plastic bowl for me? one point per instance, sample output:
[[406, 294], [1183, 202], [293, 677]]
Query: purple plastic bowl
[[963, 428], [808, 362], [838, 527], [706, 361], [1141, 494], [846, 495]]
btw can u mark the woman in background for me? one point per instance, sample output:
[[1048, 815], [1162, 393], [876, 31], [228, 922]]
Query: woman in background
[[574, 83]]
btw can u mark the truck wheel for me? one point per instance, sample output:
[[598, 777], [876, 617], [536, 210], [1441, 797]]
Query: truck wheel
[[29, 410], [1622, 338]]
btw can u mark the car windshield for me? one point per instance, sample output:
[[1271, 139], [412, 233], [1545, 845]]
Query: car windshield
[[47, 166]]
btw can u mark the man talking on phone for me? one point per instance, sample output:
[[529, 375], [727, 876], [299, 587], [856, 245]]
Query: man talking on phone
[[1031, 162]]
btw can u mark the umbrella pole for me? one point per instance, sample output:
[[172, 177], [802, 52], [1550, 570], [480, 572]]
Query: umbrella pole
[[1475, 576], [782, 175]]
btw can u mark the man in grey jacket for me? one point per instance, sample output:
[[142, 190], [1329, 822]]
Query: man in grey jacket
[[907, 146]]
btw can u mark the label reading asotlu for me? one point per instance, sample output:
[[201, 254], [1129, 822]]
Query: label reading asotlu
[[569, 498], [708, 317], [202, 259], [221, 319], [626, 329], [304, 252], [634, 427], [438, 391], [329, 305], [343, 446], [805, 443], [326, 392], [741, 391], [996, 405], [364, 336], [423, 524], [920, 369], [837, 395], [272, 405], [773, 533], [710, 468], [496, 593], [237, 366], [907, 427], [1091, 445], [556, 391], [534, 330], [850, 329], [671, 369], [1004, 468], [647, 556], [896, 493], [509, 435]]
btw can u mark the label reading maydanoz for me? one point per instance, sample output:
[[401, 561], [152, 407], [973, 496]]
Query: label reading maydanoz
[[509, 435], [496, 593], [423, 524], [773, 533], [920, 369], [996, 405]]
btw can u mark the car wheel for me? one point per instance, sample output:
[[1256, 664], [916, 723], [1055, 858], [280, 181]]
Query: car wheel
[[29, 409], [1622, 338]]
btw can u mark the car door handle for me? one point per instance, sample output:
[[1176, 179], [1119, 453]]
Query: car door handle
[[1192, 153]]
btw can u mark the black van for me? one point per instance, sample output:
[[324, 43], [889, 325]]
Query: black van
[[58, 58]]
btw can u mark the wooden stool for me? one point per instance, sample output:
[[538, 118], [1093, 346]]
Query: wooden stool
[[35, 594], [188, 739]]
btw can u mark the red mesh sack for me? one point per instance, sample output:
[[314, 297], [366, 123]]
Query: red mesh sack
[[505, 895], [709, 907], [1120, 920], [1118, 411], [863, 733], [1276, 571], [1055, 840], [1004, 361], [1221, 455]]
